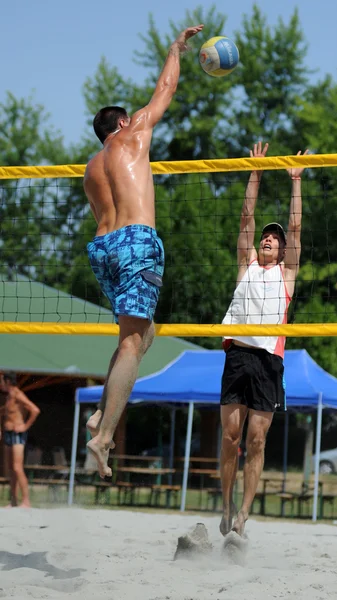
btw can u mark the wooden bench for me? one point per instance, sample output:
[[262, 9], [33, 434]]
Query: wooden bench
[[330, 499], [4, 481], [286, 498], [127, 491], [269, 487], [102, 488], [213, 495], [51, 484], [169, 490]]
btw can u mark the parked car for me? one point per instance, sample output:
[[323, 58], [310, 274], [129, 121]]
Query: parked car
[[327, 461]]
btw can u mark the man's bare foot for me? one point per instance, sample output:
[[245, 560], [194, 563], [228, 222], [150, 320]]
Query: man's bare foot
[[239, 523], [94, 422], [101, 454], [25, 504], [227, 519]]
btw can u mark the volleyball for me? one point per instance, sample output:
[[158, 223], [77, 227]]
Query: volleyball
[[218, 56]]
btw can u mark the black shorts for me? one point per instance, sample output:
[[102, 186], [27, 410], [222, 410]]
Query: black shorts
[[253, 378]]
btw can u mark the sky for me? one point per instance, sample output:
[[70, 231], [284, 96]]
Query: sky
[[50, 47]]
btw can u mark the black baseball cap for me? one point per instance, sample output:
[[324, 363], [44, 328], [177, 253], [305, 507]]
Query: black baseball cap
[[277, 228]]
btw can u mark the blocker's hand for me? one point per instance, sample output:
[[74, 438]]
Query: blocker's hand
[[297, 172], [258, 151], [186, 35]]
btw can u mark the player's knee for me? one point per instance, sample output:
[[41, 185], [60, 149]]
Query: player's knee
[[132, 346], [231, 438], [256, 444], [17, 468]]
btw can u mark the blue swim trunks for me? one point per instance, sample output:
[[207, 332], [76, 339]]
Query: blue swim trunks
[[129, 264], [11, 438]]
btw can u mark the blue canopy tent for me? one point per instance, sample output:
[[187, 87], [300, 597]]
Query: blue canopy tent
[[194, 377]]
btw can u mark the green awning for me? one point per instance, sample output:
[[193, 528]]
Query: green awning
[[77, 355]]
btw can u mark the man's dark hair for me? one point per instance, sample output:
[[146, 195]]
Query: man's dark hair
[[107, 120], [11, 377]]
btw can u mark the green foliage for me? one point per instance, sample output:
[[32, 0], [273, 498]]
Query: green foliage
[[315, 302], [317, 116], [25, 138], [191, 223]]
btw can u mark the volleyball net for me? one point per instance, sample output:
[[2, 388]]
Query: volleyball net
[[47, 285]]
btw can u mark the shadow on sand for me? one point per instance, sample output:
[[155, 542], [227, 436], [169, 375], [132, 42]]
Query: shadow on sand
[[37, 561]]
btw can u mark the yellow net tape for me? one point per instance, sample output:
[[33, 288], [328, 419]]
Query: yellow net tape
[[183, 166], [300, 330], [184, 330]]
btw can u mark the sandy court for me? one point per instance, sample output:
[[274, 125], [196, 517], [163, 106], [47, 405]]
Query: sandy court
[[121, 555]]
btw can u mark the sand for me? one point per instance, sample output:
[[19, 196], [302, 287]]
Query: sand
[[123, 555]]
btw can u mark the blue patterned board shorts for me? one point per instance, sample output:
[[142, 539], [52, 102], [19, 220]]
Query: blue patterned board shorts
[[11, 438], [129, 265]]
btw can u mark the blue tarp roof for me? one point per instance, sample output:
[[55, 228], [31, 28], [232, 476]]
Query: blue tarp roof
[[196, 376]]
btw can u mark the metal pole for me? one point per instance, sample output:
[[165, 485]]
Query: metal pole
[[74, 451], [172, 436], [285, 449], [317, 454], [187, 455]]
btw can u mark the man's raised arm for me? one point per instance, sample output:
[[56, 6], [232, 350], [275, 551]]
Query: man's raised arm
[[168, 78], [245, 244], [292, 256]]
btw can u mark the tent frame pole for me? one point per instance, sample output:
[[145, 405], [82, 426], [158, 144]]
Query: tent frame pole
[[317, 454], [172, 438], [285, 456], [74, 450], [187, 455], [285, 448]]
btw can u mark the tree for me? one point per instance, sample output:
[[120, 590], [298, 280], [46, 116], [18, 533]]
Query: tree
[[40, 219], [26, 207]]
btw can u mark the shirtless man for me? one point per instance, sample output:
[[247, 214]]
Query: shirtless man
[[252, 382], [127, 256], [19, 414]]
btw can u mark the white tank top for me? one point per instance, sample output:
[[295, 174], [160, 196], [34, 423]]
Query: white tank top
[[260, 297]]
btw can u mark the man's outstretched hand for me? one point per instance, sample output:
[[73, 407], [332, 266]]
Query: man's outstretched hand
[[186, 35]]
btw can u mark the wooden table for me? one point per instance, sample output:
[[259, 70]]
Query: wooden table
[[156, 487], [277, 486], [51, 470], [137, 457], [146, 470], [55, 477]]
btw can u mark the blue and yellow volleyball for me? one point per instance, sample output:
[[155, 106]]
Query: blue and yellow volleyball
[[219, 56]]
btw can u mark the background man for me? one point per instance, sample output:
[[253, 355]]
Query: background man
[[18, 415]]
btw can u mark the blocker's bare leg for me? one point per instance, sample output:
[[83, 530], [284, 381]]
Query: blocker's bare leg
[[233, 417], [258, 427]]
